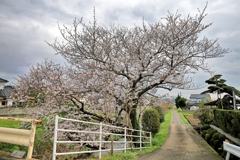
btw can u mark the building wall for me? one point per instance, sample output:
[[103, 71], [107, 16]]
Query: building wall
[[193, 100], [2, 85], [16, 111]]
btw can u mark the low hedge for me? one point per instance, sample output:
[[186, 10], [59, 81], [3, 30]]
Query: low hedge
[[228, 121]]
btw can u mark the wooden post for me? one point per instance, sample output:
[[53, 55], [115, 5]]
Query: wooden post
[[31, 142]]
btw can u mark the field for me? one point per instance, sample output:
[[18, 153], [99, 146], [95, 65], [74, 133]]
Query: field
[[191, 119]]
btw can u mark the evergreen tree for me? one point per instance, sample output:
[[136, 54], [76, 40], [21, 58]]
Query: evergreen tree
[[218, 86], [176, 101]]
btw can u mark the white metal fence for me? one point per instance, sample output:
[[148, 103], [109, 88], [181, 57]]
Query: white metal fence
[[230, 148], [125, 135]]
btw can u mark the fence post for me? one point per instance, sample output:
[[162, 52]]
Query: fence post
[[100, 139], [125, 139], [31, 142], [150, 139], [140, 140], [228, 156], [55, 138]]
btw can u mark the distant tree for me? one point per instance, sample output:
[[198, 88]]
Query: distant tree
[[176, 101], [182, 102]]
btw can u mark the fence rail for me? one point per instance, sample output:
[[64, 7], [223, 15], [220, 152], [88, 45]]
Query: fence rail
[[20, 136], [230, 148], [101, 133]]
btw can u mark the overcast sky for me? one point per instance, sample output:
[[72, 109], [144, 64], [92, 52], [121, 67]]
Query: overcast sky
[[25, 25]]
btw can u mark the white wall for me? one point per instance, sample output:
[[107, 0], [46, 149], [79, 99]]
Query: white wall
[[2, 85], [10, 102]]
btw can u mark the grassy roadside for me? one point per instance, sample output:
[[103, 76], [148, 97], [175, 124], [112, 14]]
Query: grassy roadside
[[157, 142], [9, 123], [182, 116]]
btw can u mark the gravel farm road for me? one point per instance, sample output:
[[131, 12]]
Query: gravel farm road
[[183, 143]]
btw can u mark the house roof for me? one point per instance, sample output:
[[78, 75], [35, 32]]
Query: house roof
[[8, 90], [199, 96], [2, 93], [3, 80]]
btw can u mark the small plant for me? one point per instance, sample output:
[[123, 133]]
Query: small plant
[[179, 110]]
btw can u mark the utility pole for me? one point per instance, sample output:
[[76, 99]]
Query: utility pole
[[234, 101]]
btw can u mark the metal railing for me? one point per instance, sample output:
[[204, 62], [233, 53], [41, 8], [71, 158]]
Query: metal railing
[[125, 135], [230, 148]]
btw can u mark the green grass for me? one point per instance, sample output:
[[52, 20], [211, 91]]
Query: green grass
[[10, 123], [6, 146], [183, 118], [157, 142], [187, 114]]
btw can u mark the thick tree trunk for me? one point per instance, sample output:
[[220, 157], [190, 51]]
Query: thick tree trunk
[[134, 121], [135, 125]]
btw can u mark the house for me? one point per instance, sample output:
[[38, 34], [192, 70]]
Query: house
[[194, 108], [5, 93], [195, 99]]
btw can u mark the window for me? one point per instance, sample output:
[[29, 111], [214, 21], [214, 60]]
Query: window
[[21, 103], [3, 103]]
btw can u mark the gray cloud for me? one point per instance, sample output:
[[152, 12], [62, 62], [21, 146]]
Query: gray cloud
[[26, 25]]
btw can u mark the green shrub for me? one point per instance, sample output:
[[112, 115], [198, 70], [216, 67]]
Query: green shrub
[[160, 112], [207, 137], [211, 133], [216, 144], [179, 110], [228, 121], [209, 130], [205, 127], [211, 142], [216, 136], [150, 121], [205, 115], [203, 133], [222, 137]]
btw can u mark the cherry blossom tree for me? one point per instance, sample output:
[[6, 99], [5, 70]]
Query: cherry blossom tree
[[126, 64]]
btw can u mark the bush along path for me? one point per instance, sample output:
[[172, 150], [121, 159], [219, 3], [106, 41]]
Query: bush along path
[[183, 143]]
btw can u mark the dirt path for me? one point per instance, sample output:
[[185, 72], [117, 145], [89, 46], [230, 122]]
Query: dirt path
[[183, 143]]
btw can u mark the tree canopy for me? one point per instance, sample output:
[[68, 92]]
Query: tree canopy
[[113, 69], [218, 86]]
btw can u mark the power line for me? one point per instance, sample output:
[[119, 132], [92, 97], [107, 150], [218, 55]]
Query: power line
[[237, 86]]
